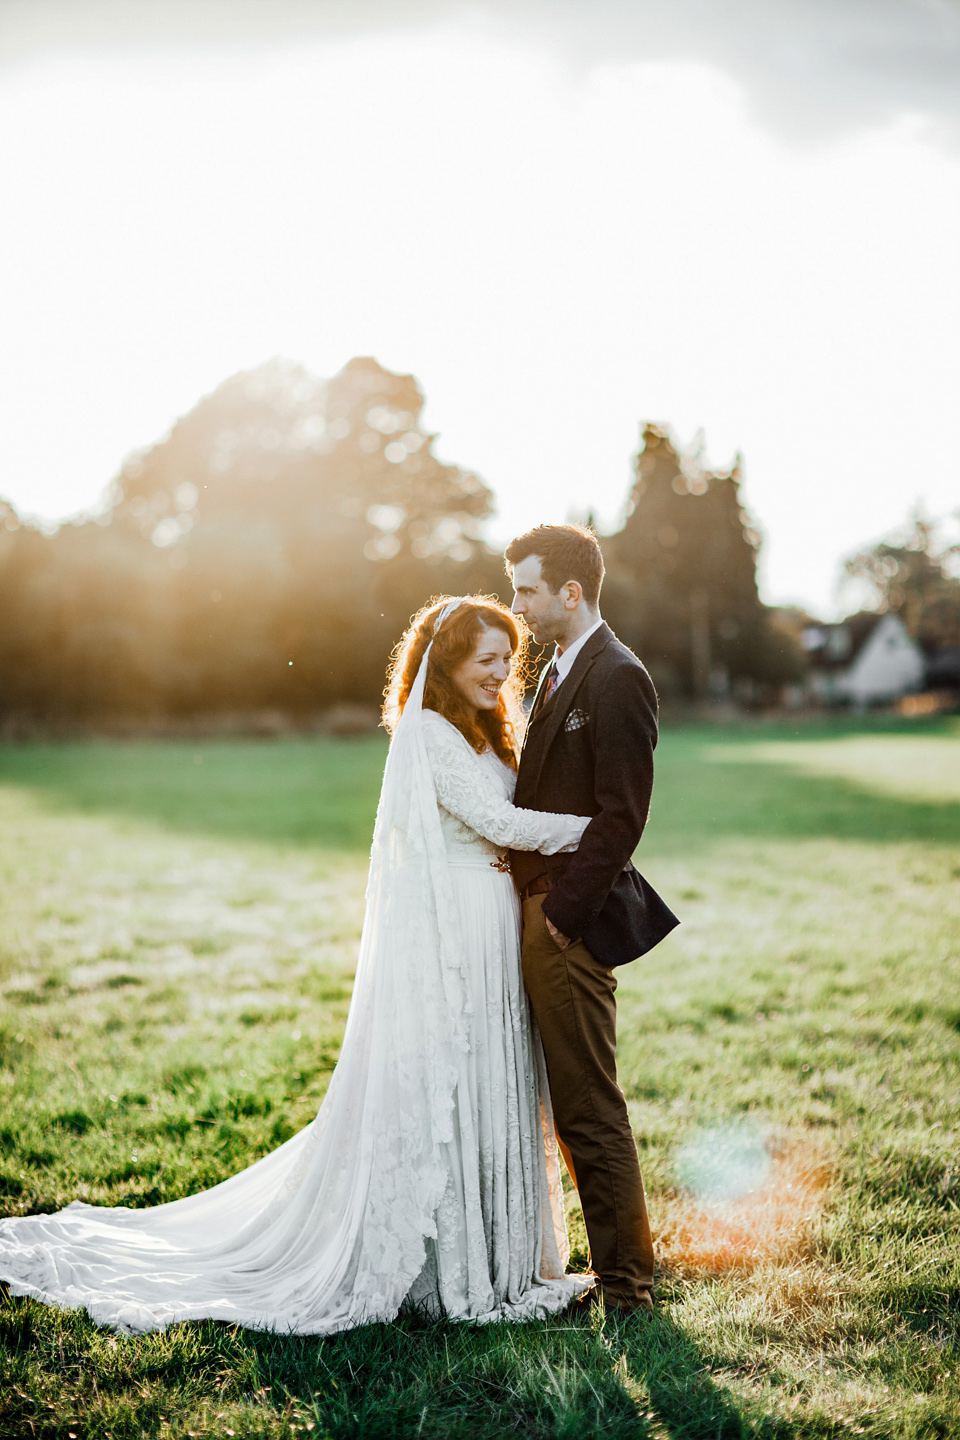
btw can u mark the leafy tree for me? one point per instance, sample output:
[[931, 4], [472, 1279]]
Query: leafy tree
[[682, 588], [916, 576], [80, 633], [289, 504], [267, 551]]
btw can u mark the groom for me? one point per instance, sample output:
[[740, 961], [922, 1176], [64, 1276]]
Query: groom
[[588, 751]]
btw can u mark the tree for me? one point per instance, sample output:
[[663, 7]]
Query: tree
[[915, 575], [316, 498], [682, 589], [267, 551], [80, 609]]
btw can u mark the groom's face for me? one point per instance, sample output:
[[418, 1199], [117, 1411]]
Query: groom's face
[[546, 614]]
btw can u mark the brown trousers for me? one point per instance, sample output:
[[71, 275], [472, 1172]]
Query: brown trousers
[[572, 995]]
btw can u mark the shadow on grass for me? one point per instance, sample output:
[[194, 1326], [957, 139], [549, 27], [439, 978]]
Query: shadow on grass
[[549, 1380], [685, 1403], [775, 802], [559, 1378], [312, 792], [323, 792], [705, 792]]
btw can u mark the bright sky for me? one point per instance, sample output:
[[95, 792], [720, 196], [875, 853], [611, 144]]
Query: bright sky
[[557, 253]]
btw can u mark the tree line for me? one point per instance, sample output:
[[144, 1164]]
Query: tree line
[[270, 549]]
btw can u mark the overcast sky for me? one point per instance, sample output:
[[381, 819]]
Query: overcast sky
[[563, 218]]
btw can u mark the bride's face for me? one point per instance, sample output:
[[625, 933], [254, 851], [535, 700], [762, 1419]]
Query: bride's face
[[480, 677]]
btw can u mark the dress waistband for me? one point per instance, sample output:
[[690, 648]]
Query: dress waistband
[[468, 861]]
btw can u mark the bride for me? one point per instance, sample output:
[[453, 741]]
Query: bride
[[430, 1174]]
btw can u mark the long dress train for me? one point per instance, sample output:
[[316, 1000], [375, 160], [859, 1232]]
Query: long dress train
[[430, 1174]]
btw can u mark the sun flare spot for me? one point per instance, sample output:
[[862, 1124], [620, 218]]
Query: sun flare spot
[[746, 1202]]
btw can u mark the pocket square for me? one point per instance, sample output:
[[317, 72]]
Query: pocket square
[[576, 720]]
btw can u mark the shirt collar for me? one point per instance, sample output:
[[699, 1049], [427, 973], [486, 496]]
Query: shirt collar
[[564, 662]]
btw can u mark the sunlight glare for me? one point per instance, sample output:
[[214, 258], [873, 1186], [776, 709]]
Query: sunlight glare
[[556, 256]]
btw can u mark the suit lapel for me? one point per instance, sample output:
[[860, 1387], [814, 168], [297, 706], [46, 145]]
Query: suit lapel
[[548, 715]]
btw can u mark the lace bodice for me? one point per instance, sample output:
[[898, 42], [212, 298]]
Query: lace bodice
[[475, 794]]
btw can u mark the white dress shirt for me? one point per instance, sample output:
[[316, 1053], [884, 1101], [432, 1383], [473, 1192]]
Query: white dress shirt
[[565, 661]]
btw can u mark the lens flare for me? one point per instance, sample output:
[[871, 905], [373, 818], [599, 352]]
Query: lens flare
[[746, 1199], [722, 1164]]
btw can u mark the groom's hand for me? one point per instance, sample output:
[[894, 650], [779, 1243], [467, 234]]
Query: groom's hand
[[559, 940]]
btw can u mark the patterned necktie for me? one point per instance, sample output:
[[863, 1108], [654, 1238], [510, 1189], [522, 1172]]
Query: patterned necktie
[[553, 680]]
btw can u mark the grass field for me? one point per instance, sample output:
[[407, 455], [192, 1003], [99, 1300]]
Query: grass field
[[178, 927]]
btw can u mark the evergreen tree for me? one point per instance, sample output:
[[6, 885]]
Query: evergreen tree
[[682, 588]]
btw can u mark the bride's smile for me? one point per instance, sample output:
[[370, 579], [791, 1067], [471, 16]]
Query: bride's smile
[[481, 676]]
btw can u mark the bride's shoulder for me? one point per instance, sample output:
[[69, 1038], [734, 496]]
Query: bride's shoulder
[[438, 727], [448, 749], [447, 744]]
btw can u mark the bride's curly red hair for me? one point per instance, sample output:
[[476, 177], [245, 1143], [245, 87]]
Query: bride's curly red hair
[[499, 730]]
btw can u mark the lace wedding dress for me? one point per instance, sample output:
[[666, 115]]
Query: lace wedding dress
[[430, 1174]]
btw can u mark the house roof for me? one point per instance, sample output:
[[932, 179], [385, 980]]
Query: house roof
[[834, 647]]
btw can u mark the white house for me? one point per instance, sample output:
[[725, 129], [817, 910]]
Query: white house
[[866, 660]]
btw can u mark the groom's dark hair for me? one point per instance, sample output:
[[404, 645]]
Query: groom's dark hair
[[565, 552]]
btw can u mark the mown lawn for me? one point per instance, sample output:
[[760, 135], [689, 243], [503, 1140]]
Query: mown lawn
[[178, 926]]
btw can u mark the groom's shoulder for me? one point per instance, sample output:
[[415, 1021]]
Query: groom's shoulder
[[615, 657], [623, 685]]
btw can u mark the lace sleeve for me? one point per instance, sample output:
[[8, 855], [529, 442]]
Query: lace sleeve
[[465, 789]]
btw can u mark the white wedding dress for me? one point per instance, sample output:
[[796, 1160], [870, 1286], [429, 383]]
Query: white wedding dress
[[430, 1174]]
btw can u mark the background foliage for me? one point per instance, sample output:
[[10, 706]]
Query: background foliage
[[682, 588], [916, 575], [269, 550]]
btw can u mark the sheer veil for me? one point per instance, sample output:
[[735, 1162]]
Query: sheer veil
[[407, 1025]]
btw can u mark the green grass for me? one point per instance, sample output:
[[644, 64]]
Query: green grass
[[178, 929]]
